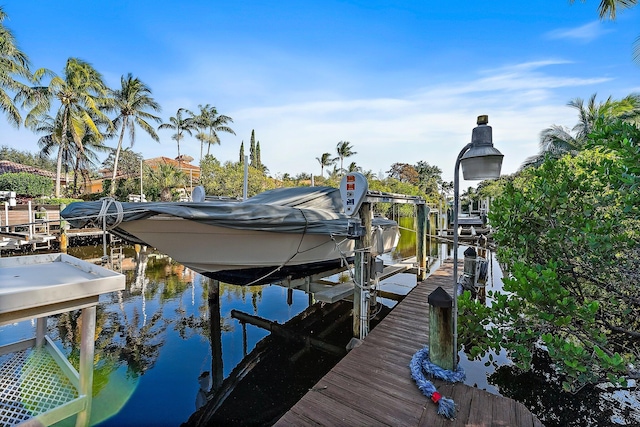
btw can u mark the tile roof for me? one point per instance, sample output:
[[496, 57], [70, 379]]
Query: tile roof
[[10, 167], [184, 165]]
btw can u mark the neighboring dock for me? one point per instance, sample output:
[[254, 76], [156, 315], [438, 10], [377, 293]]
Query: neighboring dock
[[372, 385], [25, 229]]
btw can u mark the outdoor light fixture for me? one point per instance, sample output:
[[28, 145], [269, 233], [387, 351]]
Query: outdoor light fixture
[[479, 160]]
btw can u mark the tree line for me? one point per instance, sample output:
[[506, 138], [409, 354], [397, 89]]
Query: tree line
[[567, 227], [76, 112]]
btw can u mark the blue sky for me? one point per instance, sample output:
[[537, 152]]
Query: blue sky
[[403, 81]]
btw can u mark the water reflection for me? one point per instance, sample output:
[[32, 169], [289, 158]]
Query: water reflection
[[166, 344]]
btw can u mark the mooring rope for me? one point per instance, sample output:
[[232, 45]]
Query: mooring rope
[[119, 215], [421, 367]]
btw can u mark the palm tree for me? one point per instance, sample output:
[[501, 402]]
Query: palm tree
[[52, 140], [166, 177], [629, 108], [344, 150], [354, 168], [180, 125], [609, 9], [325, 161], [81, 93], [131, 101], [86, 158], [13, 64], [556, 141], [210, 120]]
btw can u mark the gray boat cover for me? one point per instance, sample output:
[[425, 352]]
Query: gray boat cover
[[314, 210]]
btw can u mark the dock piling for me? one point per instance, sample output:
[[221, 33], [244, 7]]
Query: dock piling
[[441, 328], [422, 226]]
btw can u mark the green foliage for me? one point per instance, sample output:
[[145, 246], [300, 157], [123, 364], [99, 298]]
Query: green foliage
[[26, 184], [54, 201], [567, 234], [228, 179], [25, 158]]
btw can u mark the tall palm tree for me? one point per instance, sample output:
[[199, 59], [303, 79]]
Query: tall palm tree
[[344, 150], [181, 125], [209, 120], [86, 158], [325, 161], [131, 101], [52, 139], [82, 94], [13, 64]]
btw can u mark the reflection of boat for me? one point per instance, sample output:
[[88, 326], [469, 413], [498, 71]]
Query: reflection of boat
[[281, 368], [279, 233]]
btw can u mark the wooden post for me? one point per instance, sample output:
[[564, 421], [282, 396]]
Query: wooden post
[[428, 235], [87, 351], [30, 220], [441, 328], [215, 328], [421, 226], [470, 263], [362, 262], [63, 238]]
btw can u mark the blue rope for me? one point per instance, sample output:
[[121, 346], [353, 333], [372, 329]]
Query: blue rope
[[421, 366]]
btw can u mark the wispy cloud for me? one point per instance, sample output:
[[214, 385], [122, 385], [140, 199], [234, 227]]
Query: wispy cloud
[[585, 33], [521, 99]]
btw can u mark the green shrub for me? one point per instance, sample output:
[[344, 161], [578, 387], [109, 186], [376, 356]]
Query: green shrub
[[26, 184]]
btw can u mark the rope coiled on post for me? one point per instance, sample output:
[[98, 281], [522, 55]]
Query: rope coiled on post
[[421, 367]]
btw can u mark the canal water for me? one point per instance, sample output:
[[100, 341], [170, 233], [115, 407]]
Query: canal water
[[159, 350]]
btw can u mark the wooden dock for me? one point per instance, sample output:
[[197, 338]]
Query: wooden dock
[[372, 385]]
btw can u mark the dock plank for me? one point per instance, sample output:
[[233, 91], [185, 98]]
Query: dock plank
[[372, 385]]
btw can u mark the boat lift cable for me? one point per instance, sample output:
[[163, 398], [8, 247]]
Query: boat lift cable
[[275, 270]]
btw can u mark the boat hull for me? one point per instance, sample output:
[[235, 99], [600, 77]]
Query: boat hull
[[208, 249]]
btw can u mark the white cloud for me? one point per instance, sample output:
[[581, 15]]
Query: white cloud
[[430, 125], [585, 33]]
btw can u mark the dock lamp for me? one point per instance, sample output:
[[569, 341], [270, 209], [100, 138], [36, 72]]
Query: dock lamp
[[479, 161]]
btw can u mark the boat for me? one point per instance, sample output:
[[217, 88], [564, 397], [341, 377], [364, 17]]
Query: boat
[[286, 232]]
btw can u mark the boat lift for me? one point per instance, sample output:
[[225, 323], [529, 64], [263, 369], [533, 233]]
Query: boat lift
[[358, 201]]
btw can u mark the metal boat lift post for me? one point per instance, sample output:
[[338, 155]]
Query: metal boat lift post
[[362, 263]]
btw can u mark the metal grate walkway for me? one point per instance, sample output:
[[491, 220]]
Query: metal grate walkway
[[31, 384]]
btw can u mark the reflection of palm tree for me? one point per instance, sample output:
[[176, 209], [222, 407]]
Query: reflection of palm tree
[[141, 346], [68, 327]]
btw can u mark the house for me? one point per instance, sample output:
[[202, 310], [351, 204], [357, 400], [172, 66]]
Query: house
[[183, 163]]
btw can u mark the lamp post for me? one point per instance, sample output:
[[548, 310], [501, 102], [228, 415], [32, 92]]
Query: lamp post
[[479, 160]]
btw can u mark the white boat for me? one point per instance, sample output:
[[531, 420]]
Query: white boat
[[285, 232]]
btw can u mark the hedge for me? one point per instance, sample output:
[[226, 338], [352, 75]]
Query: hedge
[[26, 184]]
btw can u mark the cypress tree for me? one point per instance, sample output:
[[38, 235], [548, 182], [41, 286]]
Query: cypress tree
[[242, 152], [258, 161], [252, 149]]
